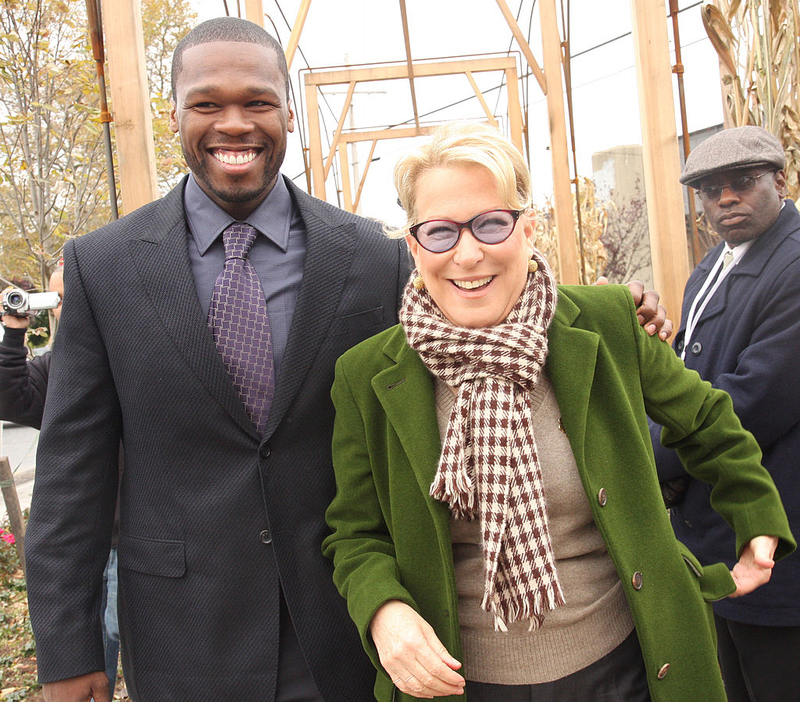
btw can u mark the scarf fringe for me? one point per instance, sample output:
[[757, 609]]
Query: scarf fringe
[[531, 608]]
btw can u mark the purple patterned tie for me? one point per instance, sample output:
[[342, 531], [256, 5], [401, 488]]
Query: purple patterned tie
[[238, 319]]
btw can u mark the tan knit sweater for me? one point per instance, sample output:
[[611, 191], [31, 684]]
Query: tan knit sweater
[[595, 618]]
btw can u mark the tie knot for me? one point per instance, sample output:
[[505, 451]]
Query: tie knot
[[727, 259], [237, 239]]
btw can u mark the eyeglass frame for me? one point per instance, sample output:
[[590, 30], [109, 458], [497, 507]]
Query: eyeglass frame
[[749, 183], [516, 214]]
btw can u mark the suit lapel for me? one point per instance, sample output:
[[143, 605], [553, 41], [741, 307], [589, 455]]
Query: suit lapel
[[752, 264], [329, 252], [160, 254], [571, 365]]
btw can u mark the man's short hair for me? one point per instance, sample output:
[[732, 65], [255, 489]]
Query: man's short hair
[[738, 147], [227, 29]]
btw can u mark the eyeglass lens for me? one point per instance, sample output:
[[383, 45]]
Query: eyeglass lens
[[440, 235], [739, 185]]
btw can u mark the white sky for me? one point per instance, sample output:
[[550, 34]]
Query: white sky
[[605, 99]]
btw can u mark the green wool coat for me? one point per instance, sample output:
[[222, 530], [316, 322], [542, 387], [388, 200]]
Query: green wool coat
[[391, 540]]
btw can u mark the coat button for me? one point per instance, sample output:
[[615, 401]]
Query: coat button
[[679, 345], [697, 347], [264, 451], [265, 536], [602, 498], [662, 671], [637, 580]]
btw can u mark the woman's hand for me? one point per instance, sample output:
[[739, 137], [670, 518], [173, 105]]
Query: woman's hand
[[755, 565], [412, 655]]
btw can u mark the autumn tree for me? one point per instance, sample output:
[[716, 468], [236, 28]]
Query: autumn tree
[[52, 168], [50, 139], [164, 22]]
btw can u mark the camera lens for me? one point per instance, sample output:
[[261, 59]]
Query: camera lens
[[15, 300]]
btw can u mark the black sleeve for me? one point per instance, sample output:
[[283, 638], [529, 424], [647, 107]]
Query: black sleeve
[[23, 383]]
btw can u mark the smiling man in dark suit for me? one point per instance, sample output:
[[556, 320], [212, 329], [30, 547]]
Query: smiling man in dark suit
[[224, 592]]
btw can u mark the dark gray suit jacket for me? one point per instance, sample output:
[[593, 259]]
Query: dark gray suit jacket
[[214, 519]]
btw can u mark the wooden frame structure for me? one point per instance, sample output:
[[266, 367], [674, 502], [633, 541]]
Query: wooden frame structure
[[351, 77], [660, 146]]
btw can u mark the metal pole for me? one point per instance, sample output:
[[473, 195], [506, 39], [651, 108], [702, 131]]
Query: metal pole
[[96, 34], [677, 69]]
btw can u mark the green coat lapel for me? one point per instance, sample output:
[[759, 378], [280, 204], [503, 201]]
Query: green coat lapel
[[405, 390], [571, 362]]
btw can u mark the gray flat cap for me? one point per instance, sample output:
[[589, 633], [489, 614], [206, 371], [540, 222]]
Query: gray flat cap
[[739, 147]]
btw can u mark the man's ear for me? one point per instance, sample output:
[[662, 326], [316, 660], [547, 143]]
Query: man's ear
[[780, 183], [174, 127], [290, 118]]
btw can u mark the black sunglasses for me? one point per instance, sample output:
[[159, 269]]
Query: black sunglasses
[[742, 184], [440, 235]]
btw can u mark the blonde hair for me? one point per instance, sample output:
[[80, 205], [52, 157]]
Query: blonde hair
[[463, 144]]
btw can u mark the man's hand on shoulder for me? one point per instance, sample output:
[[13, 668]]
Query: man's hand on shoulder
[[651, 315], [80, 689]]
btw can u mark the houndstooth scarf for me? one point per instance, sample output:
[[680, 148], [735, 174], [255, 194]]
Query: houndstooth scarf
[[489, 465]]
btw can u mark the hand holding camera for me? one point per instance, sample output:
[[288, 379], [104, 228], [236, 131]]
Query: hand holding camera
[[18, 303]]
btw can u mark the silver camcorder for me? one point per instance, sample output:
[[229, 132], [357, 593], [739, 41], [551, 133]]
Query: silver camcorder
[[17, 301]]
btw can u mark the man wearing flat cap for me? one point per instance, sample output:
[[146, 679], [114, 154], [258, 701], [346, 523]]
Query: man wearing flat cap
[[740, 330]]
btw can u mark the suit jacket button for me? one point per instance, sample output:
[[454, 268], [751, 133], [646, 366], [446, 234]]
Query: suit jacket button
[[637, 580], [264, 451], [602, 498], [697, 347], [265, 536], [662, 671]]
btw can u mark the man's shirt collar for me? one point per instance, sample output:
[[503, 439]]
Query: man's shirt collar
[[207, 220]]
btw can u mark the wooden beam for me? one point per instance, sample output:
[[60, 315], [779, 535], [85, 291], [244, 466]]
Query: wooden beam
[[394, 133], [364, 176], [347, 101], [409, 61], [514, 107], [523, 45], [344, 174], [254, 11], [399, 71], [481, 99], [15, 517], [315, 142], [133, 121], [297, 30], [660, 153], [562, 190]]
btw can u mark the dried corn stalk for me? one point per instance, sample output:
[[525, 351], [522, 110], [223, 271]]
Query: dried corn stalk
[[593, 224], [759, 51]]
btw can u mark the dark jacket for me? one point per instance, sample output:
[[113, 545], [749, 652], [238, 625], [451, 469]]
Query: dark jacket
[[746, 342], [215, 519], [23, 383], [391, 539]]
